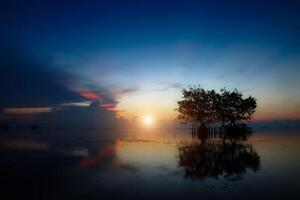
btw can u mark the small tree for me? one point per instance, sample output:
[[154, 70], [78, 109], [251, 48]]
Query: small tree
[[204, 107]]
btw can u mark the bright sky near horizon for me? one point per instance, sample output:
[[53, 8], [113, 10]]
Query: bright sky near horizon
[[134, 57]]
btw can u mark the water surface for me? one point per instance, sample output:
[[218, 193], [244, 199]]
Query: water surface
[[146, 164]]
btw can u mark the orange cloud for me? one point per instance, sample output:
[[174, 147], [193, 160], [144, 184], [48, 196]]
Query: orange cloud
[[90, 95], [120, 113]]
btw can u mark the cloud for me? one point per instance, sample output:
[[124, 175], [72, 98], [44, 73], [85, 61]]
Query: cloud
[[26, 111], [26, 83], [108, 106], [96, 115], [165, 86], [32, 93], [90, 95], [172, 84], [93, 116], [126, 91]]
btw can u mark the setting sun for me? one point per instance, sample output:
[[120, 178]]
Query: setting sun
[[148, 120]]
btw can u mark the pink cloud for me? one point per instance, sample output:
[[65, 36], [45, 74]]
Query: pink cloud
[[90, 95], [108, 106]]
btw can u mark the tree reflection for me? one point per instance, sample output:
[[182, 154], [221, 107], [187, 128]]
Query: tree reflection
[[218, 152]]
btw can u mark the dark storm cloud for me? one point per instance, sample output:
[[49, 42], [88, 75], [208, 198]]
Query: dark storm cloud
[[26, 83], [92, 116]]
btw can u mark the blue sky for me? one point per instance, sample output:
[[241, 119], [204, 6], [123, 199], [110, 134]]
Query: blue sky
[[137, 55]]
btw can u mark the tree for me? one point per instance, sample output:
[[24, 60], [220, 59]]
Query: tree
[[204, 107], [233, 108], [197, 106]]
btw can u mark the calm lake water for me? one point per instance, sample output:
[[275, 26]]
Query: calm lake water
[[146, 164]]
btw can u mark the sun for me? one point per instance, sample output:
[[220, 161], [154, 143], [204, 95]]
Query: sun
[[148, 120]]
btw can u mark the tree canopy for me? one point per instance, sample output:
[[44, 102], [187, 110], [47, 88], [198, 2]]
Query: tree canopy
[[204, 107]]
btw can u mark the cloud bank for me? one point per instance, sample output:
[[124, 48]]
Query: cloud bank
[[32, 93]]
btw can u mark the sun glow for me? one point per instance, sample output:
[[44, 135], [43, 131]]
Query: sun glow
[[148, 120]]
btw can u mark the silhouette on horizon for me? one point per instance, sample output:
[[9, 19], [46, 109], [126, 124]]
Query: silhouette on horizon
[[200, 107]]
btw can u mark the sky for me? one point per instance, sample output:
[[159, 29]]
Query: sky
[[118, 61]]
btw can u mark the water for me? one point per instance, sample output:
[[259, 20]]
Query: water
[[146, 164]]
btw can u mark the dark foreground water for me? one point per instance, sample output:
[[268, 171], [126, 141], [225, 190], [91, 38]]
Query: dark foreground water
[[146, 164]]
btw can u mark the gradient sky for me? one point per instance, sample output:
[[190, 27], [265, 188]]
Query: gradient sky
[[134, 57]]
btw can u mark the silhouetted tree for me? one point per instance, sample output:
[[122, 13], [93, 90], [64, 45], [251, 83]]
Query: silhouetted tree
[[233, 108], [197, 106], [204, 107]]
